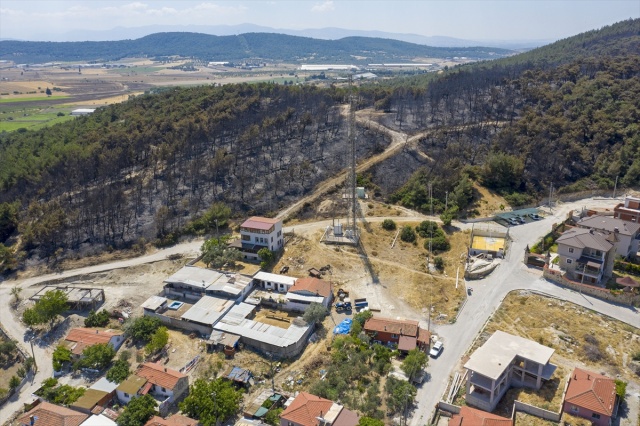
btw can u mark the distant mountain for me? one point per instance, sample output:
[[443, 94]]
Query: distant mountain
[[329, 33], [265, 46]]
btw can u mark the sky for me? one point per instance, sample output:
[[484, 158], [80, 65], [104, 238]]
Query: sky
[[475, 19]]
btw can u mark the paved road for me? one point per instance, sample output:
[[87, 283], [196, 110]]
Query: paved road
[[488, 293]]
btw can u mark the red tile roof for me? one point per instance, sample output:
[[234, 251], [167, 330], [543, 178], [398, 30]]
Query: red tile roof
[[407, 343], [83, 337], [257, 222], [52, 415], [305, 408], [473, 417], [175, 420], [388, 325], [592, 391], [314, 285], [159, 375]]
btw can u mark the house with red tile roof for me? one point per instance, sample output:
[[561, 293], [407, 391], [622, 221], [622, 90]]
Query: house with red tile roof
[[47, 414], [469, 416], [81, 337], [166, 385], [175, 420], [310, 410], [591, 396], [406, 334], [306, 291]]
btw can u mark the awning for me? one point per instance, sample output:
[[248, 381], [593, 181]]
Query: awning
[[593, 264], [627, 282], [406, 343], [147, 387]]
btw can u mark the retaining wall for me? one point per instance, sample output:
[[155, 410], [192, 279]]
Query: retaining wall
[[535, 411]]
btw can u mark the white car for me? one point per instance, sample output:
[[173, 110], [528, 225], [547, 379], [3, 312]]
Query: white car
[[436, 349]]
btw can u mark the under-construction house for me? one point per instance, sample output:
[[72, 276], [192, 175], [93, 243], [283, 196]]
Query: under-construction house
[[78, 298]]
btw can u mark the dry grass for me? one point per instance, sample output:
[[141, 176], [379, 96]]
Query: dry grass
[[489, 203], [548, 397], [280, 319], [400, 270], [524, 419], [569, 420], [563, 326]]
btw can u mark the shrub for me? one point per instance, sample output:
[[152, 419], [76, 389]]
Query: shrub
[[408, 235], [593, 353], [439, 243], [142, 328], [99, 319], [426, 227], [388, 225], [439, 263], [14, 382]]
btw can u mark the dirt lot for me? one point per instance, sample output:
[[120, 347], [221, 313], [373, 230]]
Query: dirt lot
[[394, 280]]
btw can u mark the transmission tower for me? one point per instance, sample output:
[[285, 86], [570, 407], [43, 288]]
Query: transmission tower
[[350, 184]]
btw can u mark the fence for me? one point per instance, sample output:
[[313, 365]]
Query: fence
[[535, 411], [601, 293]]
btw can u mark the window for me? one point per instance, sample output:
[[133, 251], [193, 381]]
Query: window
[[570, 249], [126, 395], [394, 336], [569, 261], [598, 253], [164, 390], [595, 416], [574, 409]]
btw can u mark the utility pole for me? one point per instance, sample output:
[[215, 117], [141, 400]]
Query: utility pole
[[429, 260], [446, 200], [615, 187], [550, 192], [35, 364]]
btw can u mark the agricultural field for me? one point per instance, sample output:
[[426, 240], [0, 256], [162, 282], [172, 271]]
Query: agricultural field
[[32, 118]]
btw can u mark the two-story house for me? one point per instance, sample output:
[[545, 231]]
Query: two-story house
[[586, 255], [629, 210], [257, 233], [406, 334], [627, 234], [504, 361], [591, 396], [166, 385], [310, 410], [306, 291]]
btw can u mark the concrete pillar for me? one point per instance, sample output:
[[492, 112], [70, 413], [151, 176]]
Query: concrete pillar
[[493, 388], [539, 381]]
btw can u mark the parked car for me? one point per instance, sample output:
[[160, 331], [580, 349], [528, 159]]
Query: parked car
[[535, 216], [521, 219], [513, 221], [436, 349]]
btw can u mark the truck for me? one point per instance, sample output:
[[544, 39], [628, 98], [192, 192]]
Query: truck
[[360, 303]]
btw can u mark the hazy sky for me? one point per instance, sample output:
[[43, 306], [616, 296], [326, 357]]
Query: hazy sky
[[506, 19]]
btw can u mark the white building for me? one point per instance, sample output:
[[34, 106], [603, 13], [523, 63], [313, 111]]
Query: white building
[[82, 111], [257, 233], [627, 234], [275, 282]]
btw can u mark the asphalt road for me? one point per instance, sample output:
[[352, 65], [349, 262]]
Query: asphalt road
[[488, 293]]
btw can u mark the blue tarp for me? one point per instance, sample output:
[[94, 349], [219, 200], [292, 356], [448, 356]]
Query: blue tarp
[[344, 327]]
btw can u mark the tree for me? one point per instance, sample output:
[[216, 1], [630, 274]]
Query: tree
[[119, 371], [273, 417], [439, 263], [388, 225], [315, 313], [8, 259], [211, 401], [142, 328], [99, 319], [502, 171], [97, 356], [138, 411], [61, 355], [407, 234], [370, 421], [621, 389], [14, 382], [266, 256], [47, 309], [362, 317], [413, 363], [400, 394], [48, 92], [216, 253], [158, 340]]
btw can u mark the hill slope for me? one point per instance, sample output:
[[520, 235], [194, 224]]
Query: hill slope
[[206, 47]]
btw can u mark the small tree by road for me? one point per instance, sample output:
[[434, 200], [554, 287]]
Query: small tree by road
[[216, 253], [97, 356], [47, 309], [413, 363]]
